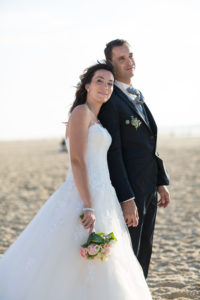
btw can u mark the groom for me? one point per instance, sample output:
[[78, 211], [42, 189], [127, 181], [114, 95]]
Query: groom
[[136, 171]]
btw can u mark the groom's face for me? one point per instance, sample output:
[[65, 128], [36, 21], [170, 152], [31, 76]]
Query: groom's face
[[123, 63]]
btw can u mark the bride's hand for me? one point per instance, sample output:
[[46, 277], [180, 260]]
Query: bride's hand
[[88, 220]]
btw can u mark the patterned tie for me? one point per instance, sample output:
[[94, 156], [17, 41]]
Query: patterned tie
[[139, 101], [139, 97]]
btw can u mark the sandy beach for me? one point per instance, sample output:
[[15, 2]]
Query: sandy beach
[[30, 171]]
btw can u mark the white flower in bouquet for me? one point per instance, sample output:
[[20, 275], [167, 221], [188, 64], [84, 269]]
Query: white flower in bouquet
[[93, 249]]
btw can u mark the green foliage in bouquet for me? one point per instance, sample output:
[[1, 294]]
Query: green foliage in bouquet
[[98, 245], [99, 238]]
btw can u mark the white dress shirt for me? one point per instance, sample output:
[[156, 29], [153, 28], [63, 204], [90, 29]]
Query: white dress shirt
[[123, 87]]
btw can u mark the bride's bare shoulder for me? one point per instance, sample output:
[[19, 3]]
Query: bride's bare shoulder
[[79, 119], [80, 112]]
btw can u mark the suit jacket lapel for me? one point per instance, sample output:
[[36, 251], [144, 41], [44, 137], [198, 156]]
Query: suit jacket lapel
[[131, 105], [151, 119]]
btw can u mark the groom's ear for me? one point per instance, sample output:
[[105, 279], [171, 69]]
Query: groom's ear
[[109, 61], [87, 87]]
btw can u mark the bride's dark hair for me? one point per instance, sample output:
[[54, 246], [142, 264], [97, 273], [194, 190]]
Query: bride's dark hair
[[86, 77]]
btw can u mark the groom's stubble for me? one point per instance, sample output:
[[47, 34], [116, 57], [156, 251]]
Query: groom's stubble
[[123, 63]]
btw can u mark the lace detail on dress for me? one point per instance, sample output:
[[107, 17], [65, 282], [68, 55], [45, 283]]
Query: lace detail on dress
[[99, 141]]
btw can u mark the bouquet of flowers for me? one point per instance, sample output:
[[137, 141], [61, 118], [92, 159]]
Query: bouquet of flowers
[[98, 246]]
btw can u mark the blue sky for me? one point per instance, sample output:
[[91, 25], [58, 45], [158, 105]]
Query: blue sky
[[45, 45]]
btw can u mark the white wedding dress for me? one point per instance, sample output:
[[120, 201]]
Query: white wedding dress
[[44, 263]]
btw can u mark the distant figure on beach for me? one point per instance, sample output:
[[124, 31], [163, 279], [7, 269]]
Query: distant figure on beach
[[63, 147], [136, 170], [44, 263]]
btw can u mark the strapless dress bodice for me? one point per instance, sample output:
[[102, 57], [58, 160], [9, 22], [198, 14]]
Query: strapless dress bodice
[[99, 141]]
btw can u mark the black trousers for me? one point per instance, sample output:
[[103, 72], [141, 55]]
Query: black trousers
[[142, 235]]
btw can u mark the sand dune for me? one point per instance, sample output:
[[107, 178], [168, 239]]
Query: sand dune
[[31, 171]]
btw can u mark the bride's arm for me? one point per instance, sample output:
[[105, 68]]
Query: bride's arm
[[78, 138]]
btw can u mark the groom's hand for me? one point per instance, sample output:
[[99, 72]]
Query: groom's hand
[[164, 196], [130, 213]]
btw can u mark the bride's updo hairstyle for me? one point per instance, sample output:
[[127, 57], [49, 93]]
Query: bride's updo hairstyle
[[86, 77]]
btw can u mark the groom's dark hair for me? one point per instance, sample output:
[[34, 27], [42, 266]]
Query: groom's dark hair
[[111, 45]]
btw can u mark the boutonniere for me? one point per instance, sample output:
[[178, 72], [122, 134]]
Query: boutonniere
[[134, 122]]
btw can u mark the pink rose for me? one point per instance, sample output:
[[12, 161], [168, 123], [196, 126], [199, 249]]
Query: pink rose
[[107, 251], [92, 249]]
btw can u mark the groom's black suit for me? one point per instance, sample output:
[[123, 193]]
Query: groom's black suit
[[134, 165]]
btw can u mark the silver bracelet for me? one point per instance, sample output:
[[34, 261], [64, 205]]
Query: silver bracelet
[[88, 208]]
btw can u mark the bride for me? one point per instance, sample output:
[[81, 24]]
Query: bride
[[44, 263]]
